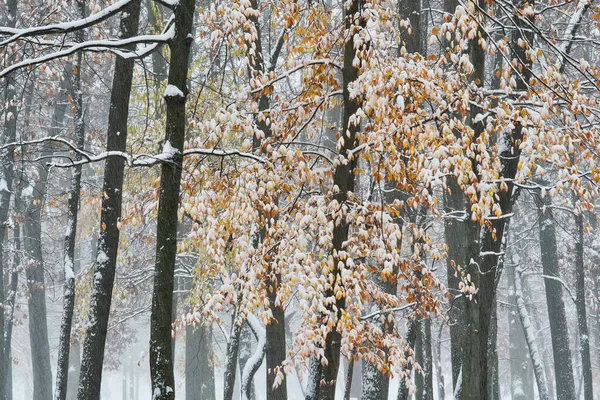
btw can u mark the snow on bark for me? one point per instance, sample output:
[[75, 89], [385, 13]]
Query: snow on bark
[[255, 361], [173, 91], [534, 353], [570, 31]]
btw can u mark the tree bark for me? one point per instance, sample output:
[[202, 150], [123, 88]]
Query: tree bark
[[275, 330], [7, 161], [344, 180], [38, 325], [161, 351], [536, 360], [584, 340], [108, 243], [521, 374], [233, 348], [199, 372], [411, 339], [246, 341], [559, 332], [62, 370], [476, 382]]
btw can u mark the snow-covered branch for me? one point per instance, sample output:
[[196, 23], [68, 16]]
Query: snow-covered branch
[[557, 279], [96, 45], [255, 361], [63, 27], [570, 31], [390, 310], [297, 68], [145, 160]]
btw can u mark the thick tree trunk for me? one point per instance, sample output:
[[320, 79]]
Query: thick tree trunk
[[454, 235], [476, 382], [475, 339], [344, 180], [559, 332], [275, 330], [411, 10], [161, 352], [584, 340], [106, 261]]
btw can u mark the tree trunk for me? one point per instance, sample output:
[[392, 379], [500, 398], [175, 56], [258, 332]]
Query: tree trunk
[[411, 10], [233, 348], [455, 220], [38, 325], [424, 358], [12, 294], [521, 374], [6, 169], [246, 344], [476, 383], [275, 329], [199, 372], [161, 354], [411, 339], [159, 64], [559, 332], [344, 179], [535, 355], [108, 243], [584, 341], [62, 370]]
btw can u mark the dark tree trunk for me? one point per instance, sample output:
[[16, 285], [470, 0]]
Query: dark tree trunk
[[246, 344], [199, 372], [108, 243], [275, 330], [454, 234], [475, 339], [161, 351], [62, 370], [476, 383], [559, 332], [411, 10], [233, 348], [584, 341], [344, 179]]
